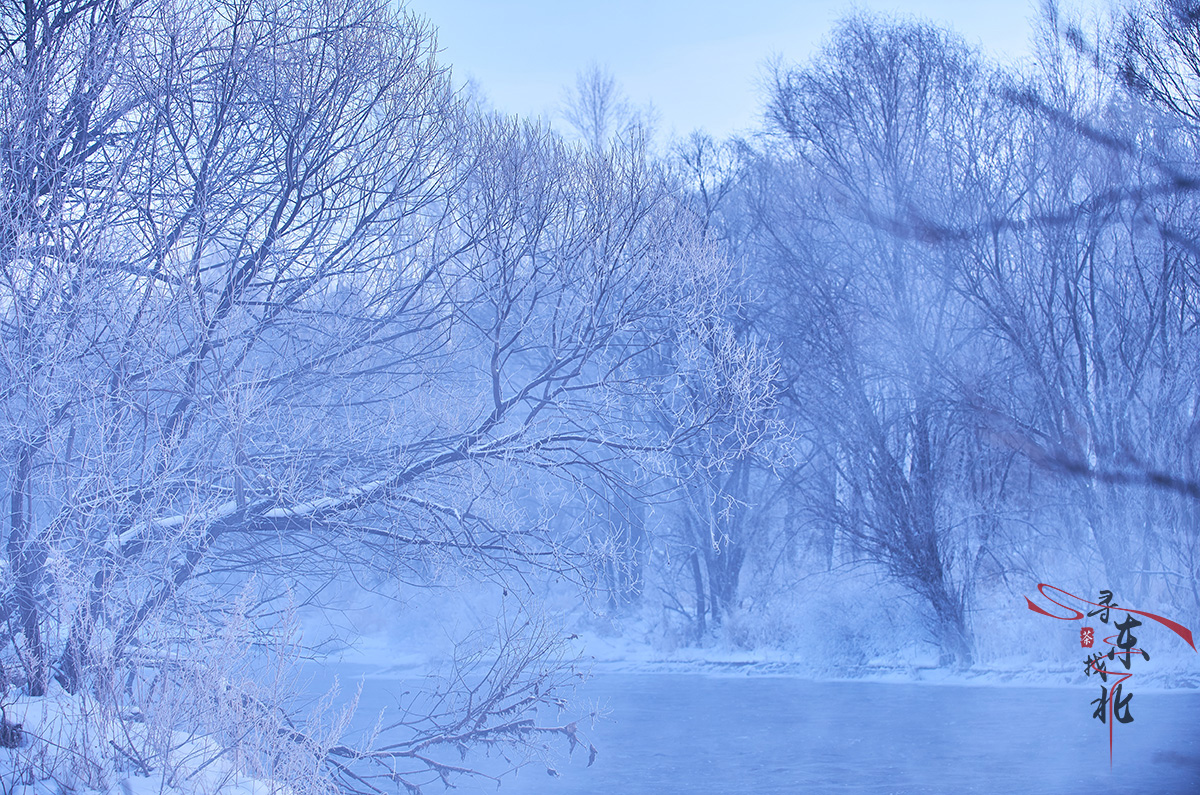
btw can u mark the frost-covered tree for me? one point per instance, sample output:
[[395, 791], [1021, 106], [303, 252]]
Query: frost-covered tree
[[277, 309], [981, 285], [598, 112], [871, 131], [1082, 262]]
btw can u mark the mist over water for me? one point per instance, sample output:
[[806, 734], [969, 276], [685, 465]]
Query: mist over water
[[759, 734], [311, 358]]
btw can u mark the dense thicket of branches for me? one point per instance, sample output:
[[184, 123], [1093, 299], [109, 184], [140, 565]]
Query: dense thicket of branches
[[278, 309], [982, 289]]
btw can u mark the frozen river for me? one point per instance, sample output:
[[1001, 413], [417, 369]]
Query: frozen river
[[693, 733]]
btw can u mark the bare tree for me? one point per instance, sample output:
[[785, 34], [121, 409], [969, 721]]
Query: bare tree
[[1079, 261], [598, 111], [871, 132], [277, 308]]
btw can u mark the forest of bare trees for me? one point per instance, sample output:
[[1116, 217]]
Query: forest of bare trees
[[282, 310]]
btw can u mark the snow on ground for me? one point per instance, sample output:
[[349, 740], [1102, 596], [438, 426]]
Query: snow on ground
[[638, 682], [748, 702], [602, 653], [1170, 670], [67, 745]]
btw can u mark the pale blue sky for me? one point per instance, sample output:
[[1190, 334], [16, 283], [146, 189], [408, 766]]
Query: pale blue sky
[[697, 62]]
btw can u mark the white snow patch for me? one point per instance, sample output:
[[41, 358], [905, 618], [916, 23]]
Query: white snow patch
[[68, 746]]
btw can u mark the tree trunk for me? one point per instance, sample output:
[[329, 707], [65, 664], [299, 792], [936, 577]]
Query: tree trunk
[[26, 568], [698, 578]]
